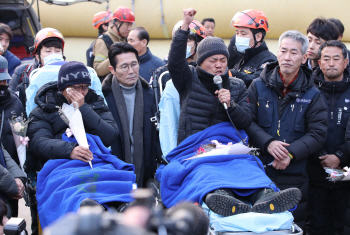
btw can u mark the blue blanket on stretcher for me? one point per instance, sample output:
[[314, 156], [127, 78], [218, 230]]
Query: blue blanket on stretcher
[[191, 180], [62, 184]]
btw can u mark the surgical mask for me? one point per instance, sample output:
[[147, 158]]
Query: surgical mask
[[188, 51], [242, 44], [53, 58]]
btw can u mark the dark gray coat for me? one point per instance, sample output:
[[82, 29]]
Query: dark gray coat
[[8, 185]]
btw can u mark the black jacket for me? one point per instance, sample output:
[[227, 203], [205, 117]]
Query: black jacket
[[151, 146], [8, 185], [337, 97], [46, 127], [12, 107], [302, 114], [248, 66], [303, 124], [199, 107]]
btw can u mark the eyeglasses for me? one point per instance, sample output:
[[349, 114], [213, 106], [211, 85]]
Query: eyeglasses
[[78, 87], [125, 67]]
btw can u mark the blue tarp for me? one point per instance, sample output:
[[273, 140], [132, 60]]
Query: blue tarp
[[62, 184], [191, 180]]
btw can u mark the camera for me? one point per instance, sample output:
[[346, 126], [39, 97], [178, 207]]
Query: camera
[[15, 226], [93, 220]]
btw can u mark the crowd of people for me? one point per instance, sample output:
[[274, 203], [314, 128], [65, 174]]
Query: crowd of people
[[294, 107]]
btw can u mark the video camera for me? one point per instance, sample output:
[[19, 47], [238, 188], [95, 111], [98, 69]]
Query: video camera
[[92, 220], [15, 226]]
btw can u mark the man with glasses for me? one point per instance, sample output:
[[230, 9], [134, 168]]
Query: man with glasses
[[131, 101], [46, 127]]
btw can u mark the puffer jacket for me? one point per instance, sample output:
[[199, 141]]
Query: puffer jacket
[[10, 107], [8, 173], [299, 118], [148, 64], [46, 127], [199, 107], [337, 97], [13, 61]]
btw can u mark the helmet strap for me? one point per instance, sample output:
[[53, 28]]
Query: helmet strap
[[255, 41], [118, 27]]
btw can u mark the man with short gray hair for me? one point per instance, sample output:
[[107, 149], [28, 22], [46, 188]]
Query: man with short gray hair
[[289, 117]]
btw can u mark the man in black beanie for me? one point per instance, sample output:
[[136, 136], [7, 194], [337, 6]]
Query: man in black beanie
[[46, 128], [202, 105], [201, 101]]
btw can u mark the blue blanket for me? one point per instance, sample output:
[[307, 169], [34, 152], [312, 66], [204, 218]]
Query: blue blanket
[[191, 180], [62, 184]]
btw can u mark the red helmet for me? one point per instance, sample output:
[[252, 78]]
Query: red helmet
[[102, 17], [254, 19], [124, 14], [195, 28], [44, 34]]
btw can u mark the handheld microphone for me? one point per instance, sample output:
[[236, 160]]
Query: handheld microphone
[[218, 81]]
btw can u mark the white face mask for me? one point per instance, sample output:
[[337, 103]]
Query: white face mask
[[242, 44], [53, 58], [188, 51]]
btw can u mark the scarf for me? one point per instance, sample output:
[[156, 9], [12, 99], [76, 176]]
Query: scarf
[[207, 80], [118, 96]]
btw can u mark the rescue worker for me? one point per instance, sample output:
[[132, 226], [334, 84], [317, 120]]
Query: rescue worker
[[47, 42], [248, 50], [100, 21], [123, 18]]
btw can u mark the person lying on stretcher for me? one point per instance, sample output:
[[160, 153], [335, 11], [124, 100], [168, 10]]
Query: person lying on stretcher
[[229, 183]]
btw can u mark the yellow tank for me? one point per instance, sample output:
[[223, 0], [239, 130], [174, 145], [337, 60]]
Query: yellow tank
[[76, 20]]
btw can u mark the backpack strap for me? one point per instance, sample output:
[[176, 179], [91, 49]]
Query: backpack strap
[[107, 40], [25, 71]]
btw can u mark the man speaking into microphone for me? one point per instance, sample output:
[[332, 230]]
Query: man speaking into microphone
[[200, 98]]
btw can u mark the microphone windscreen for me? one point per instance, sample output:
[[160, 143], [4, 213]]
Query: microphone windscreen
[[217, 79]]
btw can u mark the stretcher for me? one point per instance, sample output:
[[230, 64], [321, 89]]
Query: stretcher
[[295, 230]]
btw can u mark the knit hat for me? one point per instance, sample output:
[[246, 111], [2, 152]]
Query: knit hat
[[72, 73], [211, 46], [4, 74]]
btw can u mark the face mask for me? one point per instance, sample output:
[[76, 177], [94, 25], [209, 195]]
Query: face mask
[[53, 58], [188, 51], [3, 92], [242, 44]]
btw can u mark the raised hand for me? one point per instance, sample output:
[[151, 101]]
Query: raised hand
[[189, 14]]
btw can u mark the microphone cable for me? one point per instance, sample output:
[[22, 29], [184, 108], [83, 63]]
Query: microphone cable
[[262, 168]]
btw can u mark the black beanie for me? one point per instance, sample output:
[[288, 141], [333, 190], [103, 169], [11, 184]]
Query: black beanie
[[72, 73], [211, 46]]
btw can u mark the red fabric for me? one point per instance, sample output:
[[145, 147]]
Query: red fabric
[[286, 89]]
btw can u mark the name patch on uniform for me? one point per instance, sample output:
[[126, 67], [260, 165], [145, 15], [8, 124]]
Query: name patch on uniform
[[303, 101]]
